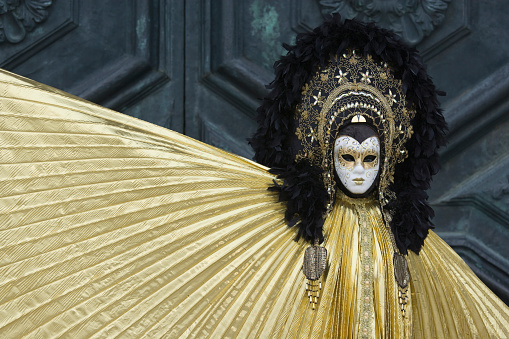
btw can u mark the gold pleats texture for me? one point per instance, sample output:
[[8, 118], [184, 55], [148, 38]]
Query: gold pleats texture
[[113, 227], [449, 301], [341, 306]]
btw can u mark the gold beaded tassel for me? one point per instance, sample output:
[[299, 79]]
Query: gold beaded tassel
[[313, 288], [315, 262], [401, 273], [403, 299], [402, 278]]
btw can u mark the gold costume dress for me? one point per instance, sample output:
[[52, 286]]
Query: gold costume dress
[[113, 227]]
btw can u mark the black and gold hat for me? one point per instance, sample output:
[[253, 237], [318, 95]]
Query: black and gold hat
[[343, 73]]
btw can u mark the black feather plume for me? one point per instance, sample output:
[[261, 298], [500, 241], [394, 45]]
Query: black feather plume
[[274, 141]]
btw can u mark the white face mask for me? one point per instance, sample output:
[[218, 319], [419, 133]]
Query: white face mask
[[357, 164]]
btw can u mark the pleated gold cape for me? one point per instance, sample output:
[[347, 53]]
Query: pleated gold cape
[[113, 227]]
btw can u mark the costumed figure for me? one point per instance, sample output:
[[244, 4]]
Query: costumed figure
[[111, 226]]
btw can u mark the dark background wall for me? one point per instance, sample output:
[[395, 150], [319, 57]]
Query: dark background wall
[[200, 66]]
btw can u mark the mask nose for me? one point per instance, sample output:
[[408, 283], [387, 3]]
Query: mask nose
[[358, 168]]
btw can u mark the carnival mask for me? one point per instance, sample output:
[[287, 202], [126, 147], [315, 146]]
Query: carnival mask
[[357, 163]]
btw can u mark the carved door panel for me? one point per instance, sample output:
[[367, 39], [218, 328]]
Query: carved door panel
[[200, 66], [231, 47], [125, 54]]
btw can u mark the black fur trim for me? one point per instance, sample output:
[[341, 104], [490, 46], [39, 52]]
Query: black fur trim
[[272, 141], [305, 197]]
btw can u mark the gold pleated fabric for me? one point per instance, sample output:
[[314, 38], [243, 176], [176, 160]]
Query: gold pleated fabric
[[449, 301], [360, 295], [113, 227]]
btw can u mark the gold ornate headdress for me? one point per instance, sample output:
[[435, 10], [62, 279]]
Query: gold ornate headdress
[[320, 86], [353, 88]]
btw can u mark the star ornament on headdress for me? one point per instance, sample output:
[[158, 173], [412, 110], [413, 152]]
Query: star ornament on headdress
[[341, 76], [318, 98], [391, 98], [365, 77]]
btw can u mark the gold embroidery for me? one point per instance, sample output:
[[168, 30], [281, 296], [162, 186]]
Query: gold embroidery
[[367, 308]]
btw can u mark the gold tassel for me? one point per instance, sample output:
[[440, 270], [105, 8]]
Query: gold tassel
[[402, 278], [315, 262]]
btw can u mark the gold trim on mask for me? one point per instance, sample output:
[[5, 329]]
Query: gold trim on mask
[[357, 157]]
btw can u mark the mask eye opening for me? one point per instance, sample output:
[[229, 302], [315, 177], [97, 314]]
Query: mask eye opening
[[369, 158], [348, 157]]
